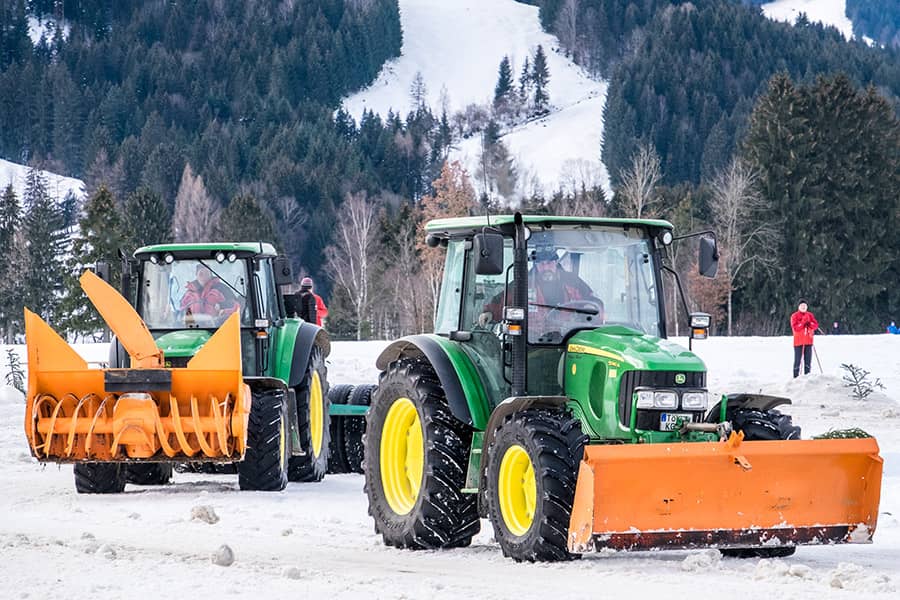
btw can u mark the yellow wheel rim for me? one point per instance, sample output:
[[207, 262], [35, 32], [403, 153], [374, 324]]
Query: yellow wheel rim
[[316, 413], [402, 456], [517, 488]]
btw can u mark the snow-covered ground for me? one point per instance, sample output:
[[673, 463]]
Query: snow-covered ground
[[57, 185], [316, 540], [827, 12], [457, 47]]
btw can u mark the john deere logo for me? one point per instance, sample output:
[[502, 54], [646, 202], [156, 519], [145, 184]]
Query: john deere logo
[[679, 378]]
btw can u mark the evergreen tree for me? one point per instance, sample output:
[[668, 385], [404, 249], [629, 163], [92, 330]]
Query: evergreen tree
[[45, 239], [540, 77], [147, 219], [10, 296], [101, 237], [244, 220], [504, 87], [525, 83]]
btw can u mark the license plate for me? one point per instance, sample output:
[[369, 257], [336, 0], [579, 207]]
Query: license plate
[[667, 421]]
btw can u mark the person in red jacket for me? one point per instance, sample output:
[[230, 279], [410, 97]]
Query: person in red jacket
[[804, 325], [306, 285]]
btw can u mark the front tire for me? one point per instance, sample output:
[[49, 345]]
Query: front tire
[[531, 474], [100, 478], [264, 467], [416, 459], [313, 422], [149, 473]]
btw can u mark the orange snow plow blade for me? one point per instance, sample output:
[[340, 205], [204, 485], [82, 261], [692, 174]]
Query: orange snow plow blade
[[731, 494], [75, 413]]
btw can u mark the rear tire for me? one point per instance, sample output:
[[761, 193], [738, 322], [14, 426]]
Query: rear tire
[[354, 429], [418, 450], [337, 461], [149, 473], [763, 425], [264, 467], [313, 422], [100, 478], [532, 469]]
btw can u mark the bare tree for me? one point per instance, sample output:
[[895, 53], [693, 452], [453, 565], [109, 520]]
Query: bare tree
[[639, 182], [196, 213], [566, 26], [453, 196], [350, 258], [739, 216]]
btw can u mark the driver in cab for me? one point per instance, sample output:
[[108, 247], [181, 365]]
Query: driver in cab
[[552, 291], [204, 296]]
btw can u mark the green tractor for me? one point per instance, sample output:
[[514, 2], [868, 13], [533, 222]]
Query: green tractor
[[550, 401], [184, 293]]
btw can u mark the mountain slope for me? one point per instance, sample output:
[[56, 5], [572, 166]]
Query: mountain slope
[[457, 47], [57, 185]]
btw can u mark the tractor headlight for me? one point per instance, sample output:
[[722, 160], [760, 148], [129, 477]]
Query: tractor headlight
[[645, 399], [665, 400], [694, 400]]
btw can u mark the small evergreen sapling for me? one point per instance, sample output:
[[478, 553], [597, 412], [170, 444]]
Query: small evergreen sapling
[[15, 375], [857, 380]]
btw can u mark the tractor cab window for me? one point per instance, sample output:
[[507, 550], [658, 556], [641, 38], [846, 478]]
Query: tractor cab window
[[263, 279], [193, 293], [447, 318], [586, 277]]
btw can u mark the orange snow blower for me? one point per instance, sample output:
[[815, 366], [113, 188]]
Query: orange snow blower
[[75, 413]]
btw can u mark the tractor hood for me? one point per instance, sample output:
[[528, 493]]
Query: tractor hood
[[635, 349], [182, 343]]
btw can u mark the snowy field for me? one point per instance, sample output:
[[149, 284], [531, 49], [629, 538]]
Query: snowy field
[[316, 540], [457, 46], [57, 185]]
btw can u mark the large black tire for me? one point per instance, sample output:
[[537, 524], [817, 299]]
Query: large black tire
[[149, 473], [314, 464], [439, 515], [100, 478], [553, 442], [337, 462], [762, 425], [354, 430], [264, 467]]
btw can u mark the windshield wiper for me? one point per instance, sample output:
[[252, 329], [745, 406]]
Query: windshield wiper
[[222, 279], [582, 311]]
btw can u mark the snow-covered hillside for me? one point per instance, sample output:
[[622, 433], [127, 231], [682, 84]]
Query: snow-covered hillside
[[57, 185], [457, 47], [316, 540], [828, 12]]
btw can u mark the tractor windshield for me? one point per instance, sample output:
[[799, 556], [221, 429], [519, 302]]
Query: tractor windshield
[[193, 293], [587, 277]]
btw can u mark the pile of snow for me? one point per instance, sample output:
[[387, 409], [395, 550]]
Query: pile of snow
[[57, 185], [457, 47], [317, 540], [827, 12]]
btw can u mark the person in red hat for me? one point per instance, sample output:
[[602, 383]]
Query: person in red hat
[[314, 307], [804, 325]]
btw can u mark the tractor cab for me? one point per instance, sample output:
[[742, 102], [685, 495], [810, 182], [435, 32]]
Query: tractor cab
[[184, 292]]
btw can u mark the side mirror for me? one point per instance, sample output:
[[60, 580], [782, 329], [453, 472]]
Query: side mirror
[[709, 257], [488, 251], [284, 274]]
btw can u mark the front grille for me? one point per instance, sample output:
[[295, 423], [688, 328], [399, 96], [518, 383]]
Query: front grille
[[653, 379]]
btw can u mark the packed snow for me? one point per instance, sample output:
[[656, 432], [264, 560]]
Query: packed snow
[[457, 47], [827, 12], [200, 535], [57, 185]]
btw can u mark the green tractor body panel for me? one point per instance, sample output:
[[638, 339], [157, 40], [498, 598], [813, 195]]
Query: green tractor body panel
[[182, 343], [281, 355], [464, 224], [478, 402], [597, 365]]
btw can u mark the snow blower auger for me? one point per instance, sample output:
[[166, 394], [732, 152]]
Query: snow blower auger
[[550, 401], [205, 368]]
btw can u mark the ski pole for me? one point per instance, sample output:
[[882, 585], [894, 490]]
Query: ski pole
[[818, 362]]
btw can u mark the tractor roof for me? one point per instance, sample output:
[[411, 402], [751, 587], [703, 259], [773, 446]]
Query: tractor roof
[[203, 250], [471, 225]]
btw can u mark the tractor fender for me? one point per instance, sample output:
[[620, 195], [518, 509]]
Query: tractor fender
[[507, 407], [465, 394], [308, 335], [761, 402]]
